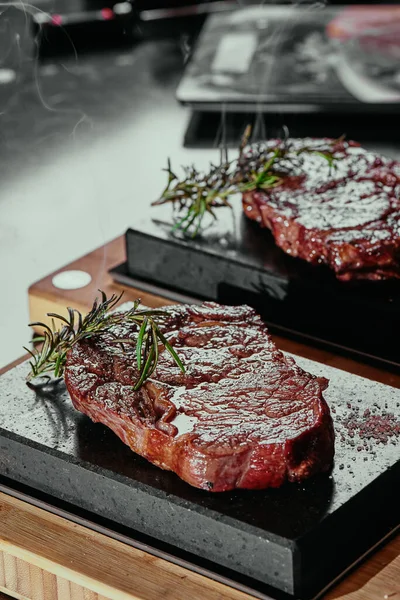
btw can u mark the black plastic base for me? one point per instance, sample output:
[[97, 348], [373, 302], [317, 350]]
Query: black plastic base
[[205, 128]]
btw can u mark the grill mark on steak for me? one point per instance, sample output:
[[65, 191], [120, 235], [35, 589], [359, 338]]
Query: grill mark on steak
[[243, 414], [347, 217]]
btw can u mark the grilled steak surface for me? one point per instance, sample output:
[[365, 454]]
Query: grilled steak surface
[[242, 415], [345, 215]]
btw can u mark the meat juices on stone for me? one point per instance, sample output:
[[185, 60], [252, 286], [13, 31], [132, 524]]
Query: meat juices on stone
[[346, 216], [242, 415]]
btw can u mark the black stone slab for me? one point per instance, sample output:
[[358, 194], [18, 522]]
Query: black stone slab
[[297, 538], [235, 261]]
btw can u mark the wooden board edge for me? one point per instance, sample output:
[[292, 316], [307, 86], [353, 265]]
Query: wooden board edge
[[64, 572], [98, 562]]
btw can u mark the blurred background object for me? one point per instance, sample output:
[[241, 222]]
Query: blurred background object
[[318, 69], [83, 24], [292, 57], [273, 65], [89, 24]]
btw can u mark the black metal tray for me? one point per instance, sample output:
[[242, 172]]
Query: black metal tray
[[295, 540]]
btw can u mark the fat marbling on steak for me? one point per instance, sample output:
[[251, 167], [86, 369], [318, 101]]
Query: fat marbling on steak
[[345, 215], [243, 415]]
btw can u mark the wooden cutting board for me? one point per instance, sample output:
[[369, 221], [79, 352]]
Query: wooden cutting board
[[45, 557]]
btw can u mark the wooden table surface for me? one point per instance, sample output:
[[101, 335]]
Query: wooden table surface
[[46, 557]]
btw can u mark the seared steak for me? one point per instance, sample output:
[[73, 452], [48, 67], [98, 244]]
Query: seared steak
[[345, 215], [242, 416]]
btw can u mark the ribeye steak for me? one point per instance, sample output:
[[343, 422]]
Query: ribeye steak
[[243, 415], [345, 215]]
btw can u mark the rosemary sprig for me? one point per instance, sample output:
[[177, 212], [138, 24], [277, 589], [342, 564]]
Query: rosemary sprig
[[56, 342], [262, 167], [197, 194]]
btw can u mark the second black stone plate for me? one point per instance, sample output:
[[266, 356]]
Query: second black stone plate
[[237, 262], [296, 539]]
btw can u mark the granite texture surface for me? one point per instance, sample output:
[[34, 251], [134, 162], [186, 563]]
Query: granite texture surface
[[295, 538]]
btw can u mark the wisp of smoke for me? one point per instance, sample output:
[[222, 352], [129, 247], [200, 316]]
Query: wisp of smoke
[[29, 11]]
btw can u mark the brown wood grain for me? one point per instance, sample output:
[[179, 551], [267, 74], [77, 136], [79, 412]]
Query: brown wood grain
[[377, 578], [75, 556], [44, 297], [37, 582], [50, 558], [68, 552]]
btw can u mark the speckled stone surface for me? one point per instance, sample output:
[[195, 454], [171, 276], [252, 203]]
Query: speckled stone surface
[[296, 538]]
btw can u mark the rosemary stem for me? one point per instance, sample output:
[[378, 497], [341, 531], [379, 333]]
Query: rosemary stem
[[102, 321], [261, 167]]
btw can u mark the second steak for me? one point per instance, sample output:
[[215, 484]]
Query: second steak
[[345, 214]]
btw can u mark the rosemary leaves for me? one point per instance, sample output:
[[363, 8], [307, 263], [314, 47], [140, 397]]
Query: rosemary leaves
[[261, 167], [197, 194], [100, 321]]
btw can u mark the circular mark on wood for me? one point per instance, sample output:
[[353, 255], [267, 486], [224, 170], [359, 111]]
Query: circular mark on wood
[[71, 280]]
